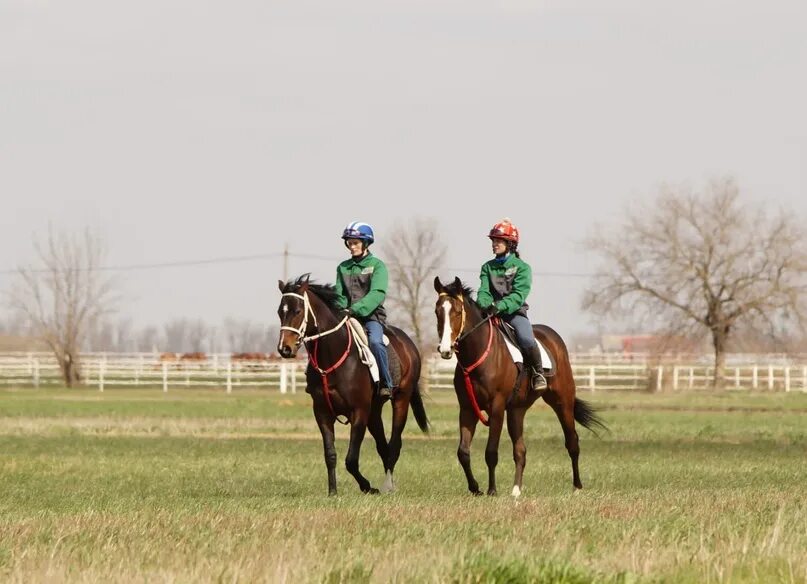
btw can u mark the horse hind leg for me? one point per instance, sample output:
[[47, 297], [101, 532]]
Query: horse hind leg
[[564, 410], [515, 427], [376, 427]]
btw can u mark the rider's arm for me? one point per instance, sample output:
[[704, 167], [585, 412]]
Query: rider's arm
[[378, 291], [483, 296], [521, 289], [341, 298]]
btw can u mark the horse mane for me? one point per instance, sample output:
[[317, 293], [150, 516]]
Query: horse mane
[[463, 289], [325, 292]]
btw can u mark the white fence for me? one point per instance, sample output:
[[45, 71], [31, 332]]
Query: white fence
[[625, 372]]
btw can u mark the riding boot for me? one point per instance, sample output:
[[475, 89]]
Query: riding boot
[[532, 358]]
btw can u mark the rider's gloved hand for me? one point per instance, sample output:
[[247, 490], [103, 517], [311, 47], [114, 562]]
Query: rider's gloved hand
[[491, 310]]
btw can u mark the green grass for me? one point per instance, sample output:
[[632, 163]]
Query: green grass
[[196, 485]]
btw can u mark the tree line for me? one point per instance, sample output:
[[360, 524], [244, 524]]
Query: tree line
[[687, 264]]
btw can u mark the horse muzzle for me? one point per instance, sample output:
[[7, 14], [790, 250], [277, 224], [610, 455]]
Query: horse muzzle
[[288, 350]]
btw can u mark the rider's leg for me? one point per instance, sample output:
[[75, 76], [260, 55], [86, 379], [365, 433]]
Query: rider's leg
[[529, 348], [375, 336]]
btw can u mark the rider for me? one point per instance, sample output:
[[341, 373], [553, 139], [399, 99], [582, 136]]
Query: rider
[[505, 282], [361, 286]]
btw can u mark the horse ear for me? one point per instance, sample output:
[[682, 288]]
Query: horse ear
[[458, 282], [280, 285], [438, 285], [304, 285]]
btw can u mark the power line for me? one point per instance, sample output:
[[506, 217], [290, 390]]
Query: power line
[[265, 256], [172, 264]]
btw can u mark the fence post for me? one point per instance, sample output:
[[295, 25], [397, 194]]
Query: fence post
[[755, 377], [35, 371], [293, 368], [658, 378], [229, 377], [737, 378], [691, 377], [165, 377], [804, 378], [787, 377], [675, 377], [101, 371], [591, 380], [770, 377], [283, 378]]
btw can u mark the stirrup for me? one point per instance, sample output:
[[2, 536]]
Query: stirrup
[[538, 382], [385, 392]]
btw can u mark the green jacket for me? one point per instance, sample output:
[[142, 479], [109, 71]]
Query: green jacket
[[506, 283], [362, 286]]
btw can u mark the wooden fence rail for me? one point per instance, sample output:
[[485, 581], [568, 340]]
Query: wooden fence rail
[[107, 370]]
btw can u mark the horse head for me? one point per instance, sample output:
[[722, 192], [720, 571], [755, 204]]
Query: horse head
[[294, 312], [451, 314], [305, 308]]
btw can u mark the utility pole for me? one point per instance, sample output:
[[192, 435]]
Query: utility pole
[[286, 262]]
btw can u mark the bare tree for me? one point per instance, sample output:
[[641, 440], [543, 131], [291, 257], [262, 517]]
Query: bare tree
[[199, 333], [148, 339], [703, 261], [176, 334], [414, 252], [64, 295], [243, 335]]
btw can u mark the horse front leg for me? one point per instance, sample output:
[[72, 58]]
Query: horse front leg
[[515, 427], [357, 430], [468, 422], [494, 435], [325, 423]]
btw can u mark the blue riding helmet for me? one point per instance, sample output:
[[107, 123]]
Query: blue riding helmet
[[358, 230]]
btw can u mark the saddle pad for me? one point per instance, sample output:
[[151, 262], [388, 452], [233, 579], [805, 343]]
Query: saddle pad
[[367, 357], [546, 361]]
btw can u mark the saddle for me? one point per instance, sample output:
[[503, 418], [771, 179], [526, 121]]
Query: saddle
[[509, 334], [367, 357]]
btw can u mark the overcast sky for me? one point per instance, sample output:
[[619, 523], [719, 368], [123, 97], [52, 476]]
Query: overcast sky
[[197, 130]]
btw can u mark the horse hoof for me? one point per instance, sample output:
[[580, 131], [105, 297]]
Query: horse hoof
[[476, 493], [332, 493], [389, 485], [371, 491], [492, 492], [516, 491]]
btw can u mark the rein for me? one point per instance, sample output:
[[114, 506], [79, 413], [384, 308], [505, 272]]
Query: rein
[[312, 355]]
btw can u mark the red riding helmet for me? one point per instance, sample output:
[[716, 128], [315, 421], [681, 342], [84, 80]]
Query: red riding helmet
[[504, 230]]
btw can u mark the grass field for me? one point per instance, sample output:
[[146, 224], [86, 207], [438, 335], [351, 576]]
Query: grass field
[[196, 485]]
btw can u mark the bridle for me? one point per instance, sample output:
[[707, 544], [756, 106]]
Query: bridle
[[466, 371], [300, 332], [463, 333], [312, 352]]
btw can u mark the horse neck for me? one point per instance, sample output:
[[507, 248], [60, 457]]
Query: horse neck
[[472, 346], [326, 321]]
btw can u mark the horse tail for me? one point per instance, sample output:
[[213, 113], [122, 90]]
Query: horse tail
[[588, 416], [416, 401]]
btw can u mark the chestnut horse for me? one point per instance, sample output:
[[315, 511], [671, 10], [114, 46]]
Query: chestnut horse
[[340, 384], [496, 385]]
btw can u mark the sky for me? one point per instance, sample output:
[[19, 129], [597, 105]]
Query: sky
[[198, 130]]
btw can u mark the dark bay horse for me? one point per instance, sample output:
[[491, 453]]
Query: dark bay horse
[[340, 384], [497, 386]]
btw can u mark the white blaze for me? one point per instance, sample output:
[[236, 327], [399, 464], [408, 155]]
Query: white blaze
[[445, 340]]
